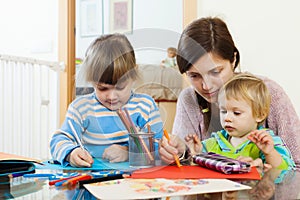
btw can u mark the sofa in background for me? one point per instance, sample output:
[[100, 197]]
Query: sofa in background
[[164, 84]]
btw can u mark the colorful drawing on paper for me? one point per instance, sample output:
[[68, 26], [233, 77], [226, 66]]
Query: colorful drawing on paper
[[154, 188], [145, 186], [148, 185]]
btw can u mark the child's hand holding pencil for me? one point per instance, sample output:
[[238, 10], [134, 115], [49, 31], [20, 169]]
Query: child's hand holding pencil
[[79, 157]]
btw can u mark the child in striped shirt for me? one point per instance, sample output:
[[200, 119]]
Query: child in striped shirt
[[110, 66]]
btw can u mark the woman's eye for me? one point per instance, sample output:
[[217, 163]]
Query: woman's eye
[[236, 113], [216, 72], [194, 76]]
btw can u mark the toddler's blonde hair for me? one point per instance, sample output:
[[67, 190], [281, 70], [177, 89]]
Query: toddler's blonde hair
[[251, 89]]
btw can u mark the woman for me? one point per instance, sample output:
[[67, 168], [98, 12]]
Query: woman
[[208, 56]]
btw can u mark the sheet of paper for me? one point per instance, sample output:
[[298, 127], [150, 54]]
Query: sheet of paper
[[155, 188], [172, 172]]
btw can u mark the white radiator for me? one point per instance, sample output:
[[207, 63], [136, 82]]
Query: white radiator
[[29, 94]]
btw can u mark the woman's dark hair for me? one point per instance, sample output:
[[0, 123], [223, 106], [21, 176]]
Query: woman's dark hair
[[205, 35]]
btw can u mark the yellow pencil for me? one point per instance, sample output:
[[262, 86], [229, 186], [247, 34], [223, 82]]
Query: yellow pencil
[[175, 155]]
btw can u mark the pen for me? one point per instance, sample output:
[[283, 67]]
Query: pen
[[101, 179], [75, 134], [175, 155], [15, 175]]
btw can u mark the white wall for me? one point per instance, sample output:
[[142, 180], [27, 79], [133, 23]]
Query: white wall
[[156, 26], [29, 28], [267, 36], [266, 32]]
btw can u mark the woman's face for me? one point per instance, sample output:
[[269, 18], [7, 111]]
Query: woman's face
[[113, 97], [208, 74]]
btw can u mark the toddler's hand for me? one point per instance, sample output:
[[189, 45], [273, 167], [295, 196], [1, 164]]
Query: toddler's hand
[[194, 143], [260, 166], [80, 158], [263, 140], [116, 153]]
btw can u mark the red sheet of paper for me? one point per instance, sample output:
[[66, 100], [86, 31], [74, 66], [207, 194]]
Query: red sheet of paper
[[190, 172]]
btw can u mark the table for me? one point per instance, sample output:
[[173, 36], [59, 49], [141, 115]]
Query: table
[[24, 188]]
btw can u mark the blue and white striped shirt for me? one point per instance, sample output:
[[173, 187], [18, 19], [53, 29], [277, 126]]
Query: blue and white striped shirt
[[99, 127]]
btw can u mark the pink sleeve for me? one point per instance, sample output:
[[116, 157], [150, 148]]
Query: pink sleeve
[[186, 119], [283, 119]]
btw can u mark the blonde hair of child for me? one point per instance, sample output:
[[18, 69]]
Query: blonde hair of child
[[251, 89], [109, 59]]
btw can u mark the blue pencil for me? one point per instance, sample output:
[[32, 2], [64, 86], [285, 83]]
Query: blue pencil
[[39, 175]]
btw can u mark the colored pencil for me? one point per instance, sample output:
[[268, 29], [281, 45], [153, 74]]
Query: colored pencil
[[101, 179], [150, 138], [128, 123], [146, 150], [74, 180], [35, 175], [55, 182]]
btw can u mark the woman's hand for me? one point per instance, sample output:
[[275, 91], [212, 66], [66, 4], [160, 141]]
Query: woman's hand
[[167, 149], [116, 153], [80, 158]]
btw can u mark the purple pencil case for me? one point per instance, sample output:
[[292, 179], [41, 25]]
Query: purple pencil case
[[221, 163]]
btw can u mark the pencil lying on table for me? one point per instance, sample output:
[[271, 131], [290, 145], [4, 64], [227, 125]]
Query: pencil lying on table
[[74, 180], [59, 182], [175, 155], [101, 179]]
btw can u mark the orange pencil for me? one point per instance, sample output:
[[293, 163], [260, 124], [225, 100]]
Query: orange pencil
[[175, 156]]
